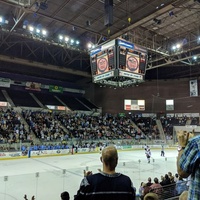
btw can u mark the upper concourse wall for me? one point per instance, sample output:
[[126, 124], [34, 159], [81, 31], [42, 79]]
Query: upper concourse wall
[[155, 93]]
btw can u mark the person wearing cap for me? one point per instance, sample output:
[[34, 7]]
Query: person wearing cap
[[107, 184]]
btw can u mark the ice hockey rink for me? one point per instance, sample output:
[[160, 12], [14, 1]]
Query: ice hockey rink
[[46, 178]]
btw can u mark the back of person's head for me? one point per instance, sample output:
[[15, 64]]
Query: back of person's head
[[155, 180], [110, 157], [166, 176], [64, 195], [149, 179], [184, 195], [151, 196], [169, 174]]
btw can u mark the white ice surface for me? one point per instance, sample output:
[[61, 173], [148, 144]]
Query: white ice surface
[[46, 178]]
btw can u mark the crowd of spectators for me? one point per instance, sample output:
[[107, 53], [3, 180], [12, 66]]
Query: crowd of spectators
[[53, 126], [12, 129], [168, 186], [45, 125]]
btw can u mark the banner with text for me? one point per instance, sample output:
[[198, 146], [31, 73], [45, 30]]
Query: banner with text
[[54, 88], [193, 88]]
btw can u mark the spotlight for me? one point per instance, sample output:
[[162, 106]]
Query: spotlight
[[60, 37], [77, 42], [44, 32], [173, 47], [194, 57], [37, 30], [1, 19], [66, 39], [31, 28], [89, 45], [178, 46], [72, 41]]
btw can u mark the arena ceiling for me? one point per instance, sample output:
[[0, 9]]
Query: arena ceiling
[[154, 24]]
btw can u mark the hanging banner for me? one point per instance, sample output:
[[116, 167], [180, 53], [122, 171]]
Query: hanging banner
[[193, 88], [54, 88], [33, 86]]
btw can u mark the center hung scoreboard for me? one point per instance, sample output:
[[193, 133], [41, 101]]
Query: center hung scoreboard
[[118, 63]]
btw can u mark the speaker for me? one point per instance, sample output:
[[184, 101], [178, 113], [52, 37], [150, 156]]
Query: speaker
[[108, 18]]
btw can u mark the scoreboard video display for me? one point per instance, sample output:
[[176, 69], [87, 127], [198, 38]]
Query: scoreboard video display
[[103, 61], [132, 59], [118, 58]]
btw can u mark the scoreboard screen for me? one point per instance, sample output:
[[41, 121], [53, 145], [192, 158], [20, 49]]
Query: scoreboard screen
[[118, 58], [102, 61], [131, 58]]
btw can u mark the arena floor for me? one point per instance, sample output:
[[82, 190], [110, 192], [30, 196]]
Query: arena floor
[[46, 178]]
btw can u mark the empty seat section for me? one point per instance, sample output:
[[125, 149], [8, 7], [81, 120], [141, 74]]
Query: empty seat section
[[2, 98], [47, 99], [22, 98], [87, 103], [72, 103]]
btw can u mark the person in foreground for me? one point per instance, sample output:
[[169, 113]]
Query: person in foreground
[[108, 184], [151, 196], [188, 162], [184, 195]]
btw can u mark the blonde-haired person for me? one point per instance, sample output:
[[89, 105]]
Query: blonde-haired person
[[151, 196]]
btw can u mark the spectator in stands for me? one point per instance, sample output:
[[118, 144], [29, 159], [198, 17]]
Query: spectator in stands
[[162, 179], [166, 181], [176, 177], [170, 175], [156, 187], [107, 184], [141, 190], [147, 186], [149, 183], [180, 185], [188, 162], [64, 195]]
